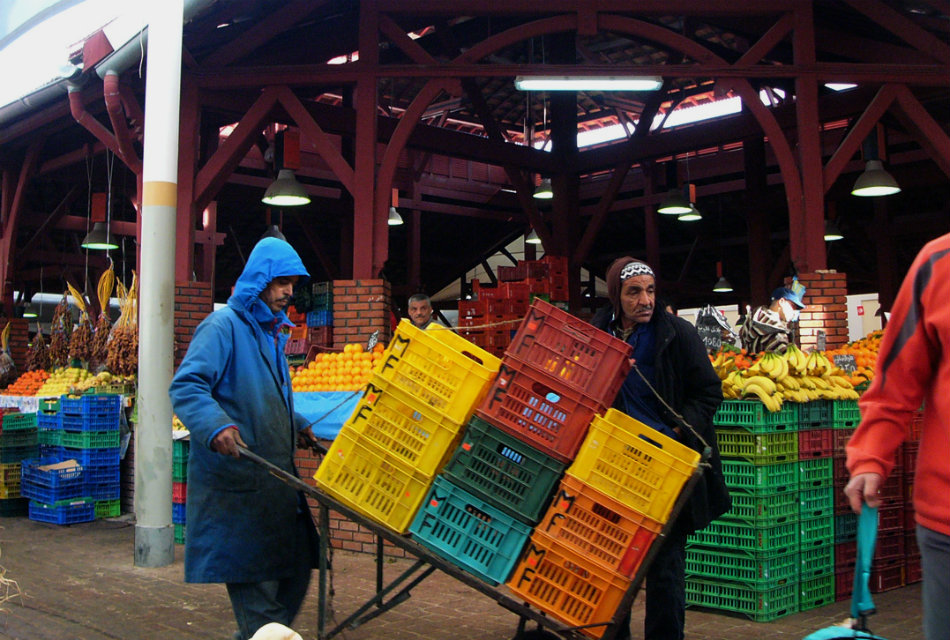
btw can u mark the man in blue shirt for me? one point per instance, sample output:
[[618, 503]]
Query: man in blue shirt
[[246, 528]]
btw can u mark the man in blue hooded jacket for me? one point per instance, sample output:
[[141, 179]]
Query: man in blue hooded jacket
[[246, 528]]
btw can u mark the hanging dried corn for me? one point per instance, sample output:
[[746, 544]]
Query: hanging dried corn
[[37, 357], [124, 345], [60, 328], [100, 338], [7, 367], [80, 341]]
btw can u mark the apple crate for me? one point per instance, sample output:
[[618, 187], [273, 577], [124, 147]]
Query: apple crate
[[598, 527], [572, 351], [567, 585], [469, 532], [438, 368], [634, 464]]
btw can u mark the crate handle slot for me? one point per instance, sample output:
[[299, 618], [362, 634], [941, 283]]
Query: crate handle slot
[[472, 356], [577, 333], [650, 440], [545, 391], [478, 513]]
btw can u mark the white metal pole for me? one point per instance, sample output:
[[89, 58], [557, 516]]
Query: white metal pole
[[154, 532]]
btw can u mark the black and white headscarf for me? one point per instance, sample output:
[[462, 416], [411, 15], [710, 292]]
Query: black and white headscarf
[[636, 269]]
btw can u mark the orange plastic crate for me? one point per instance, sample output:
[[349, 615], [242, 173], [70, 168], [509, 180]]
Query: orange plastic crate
[[566, 585], [572, 351], [634, 464], [598, 527], [372, 481]]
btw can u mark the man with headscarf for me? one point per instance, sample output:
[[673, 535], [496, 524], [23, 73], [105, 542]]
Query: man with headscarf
[[247, 528], [669, 356], [768, 328]]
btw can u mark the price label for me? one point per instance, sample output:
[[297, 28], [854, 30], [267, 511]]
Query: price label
[[711, 335], [845, 362]]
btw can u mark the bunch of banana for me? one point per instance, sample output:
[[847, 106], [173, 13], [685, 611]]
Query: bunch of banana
[[732, 385], [772, 365], [818, 365], [796, 359], [724, 364], [763, 388]]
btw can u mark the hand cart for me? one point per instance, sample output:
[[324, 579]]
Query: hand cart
[[398, 590]]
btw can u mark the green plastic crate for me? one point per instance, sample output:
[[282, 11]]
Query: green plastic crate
[[766, 479], [180, 471], [816, 503], [758, 448], [180, 533], [816, 592], [763, 510], [90, 439], [845, 414], [51, 437], [180, 450], [815, 473], [507, 472], [817, 532], [26, 437], [817, 561], [760, 569], [19, 421], [752, 415], [815, 414], [108, 508], [761, 605], [782, 538]]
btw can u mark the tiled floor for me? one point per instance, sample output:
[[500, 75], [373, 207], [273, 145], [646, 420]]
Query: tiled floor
[[79, 582]]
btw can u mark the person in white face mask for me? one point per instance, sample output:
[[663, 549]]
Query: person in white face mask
[[769, 328]]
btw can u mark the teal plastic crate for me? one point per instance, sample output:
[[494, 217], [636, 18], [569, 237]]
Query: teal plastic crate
[[766, 479], [26, 437], [761, 605], [846, 527], [758, 448], [815, 473], [506, 471], [816, 592], [763, 510], [469, 532], [815, 414], [845, 414], [19, 421], [816, 503], [760, 569], [781, 538], [817, 561], [753, 416], [817, 532]]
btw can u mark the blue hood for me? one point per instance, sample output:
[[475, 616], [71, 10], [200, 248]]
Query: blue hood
[[271, 258]]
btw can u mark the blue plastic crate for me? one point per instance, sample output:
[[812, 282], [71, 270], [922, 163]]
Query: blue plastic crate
[[91, 422], [470, 532], [91, 405], [323, 318], [63, 512], [107, 474], [178, 513], [49, 495], [93, 457], [49, 420], [30, 472], [101, 490]]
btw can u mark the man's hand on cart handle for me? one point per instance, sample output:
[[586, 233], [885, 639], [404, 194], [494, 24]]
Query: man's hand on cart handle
[[864, 487], [227, 442], [306, 440]]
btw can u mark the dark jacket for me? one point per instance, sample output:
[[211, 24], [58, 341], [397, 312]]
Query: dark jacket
[[242, 521], [687, 382]]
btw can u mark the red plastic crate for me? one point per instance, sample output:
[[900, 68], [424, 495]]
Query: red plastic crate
[[572, 351], [915, 426], [910, 457], [179, 491], [912, 570], [815, 443], [841, 437], [887, 578], [888, 547], [889, 520], [910, 518], [846, 554], [892, 496], [538, 410], [844, 584], [840, 470], [322, 336], [910, 545]]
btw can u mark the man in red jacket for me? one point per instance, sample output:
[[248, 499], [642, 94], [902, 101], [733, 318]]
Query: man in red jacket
[[913, 366]]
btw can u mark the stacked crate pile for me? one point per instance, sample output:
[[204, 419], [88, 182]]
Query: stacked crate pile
[[312, 314], [888, 563], [749, 560], [407, 423], [84, 429], [545, 278], [18, 440], [816, 502], [912, 570], [179, 487]]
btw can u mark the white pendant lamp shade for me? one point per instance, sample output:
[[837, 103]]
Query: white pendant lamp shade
[[99, 238], [875, 181], [394, 218], [285, 191], [722, 286], [544, 190], [674, 204], [532, 238]]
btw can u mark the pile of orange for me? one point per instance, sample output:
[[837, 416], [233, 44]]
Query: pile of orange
[[27, 384], [346, 370], [865, 356]]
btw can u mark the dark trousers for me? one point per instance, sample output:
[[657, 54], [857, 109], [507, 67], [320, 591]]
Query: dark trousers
[[666, 593], [257, 603]]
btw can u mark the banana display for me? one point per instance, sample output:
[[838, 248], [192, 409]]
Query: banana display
[[793, 376]]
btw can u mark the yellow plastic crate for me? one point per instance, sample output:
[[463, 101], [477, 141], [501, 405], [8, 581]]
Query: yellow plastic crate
[[420, 436], [634, 464], [439, 369], [372, 481]]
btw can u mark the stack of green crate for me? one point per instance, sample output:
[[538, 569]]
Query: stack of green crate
[[748, 561], [180, 449]]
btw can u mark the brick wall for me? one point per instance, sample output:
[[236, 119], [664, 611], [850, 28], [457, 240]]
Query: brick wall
[[361, 307], [193, 302], [825, 310]]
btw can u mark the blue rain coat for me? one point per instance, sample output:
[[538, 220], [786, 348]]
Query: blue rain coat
[[241, 520]]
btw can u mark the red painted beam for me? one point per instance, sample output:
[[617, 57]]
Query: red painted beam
[[859, 131], [928, 132]]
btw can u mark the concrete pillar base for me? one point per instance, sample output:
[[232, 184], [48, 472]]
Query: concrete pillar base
[[154, 546]]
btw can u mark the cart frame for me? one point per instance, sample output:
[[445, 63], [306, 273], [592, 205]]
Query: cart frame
[[427, 562]]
